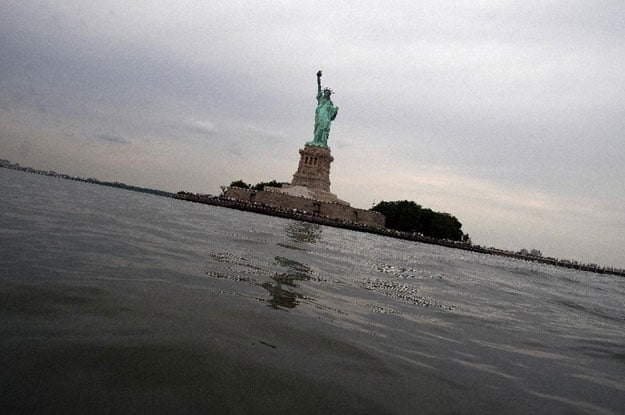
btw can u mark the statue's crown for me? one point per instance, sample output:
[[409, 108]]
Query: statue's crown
[[329, 90]]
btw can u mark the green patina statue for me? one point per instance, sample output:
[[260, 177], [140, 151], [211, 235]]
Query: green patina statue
[[324, 115]]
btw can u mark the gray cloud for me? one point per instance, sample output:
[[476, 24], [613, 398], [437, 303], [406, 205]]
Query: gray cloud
[[112, 138], [201, 126]]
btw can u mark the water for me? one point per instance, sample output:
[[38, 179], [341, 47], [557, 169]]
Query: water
[[113, 301]]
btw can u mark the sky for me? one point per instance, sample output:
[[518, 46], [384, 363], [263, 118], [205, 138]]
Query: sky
[[510, 115]]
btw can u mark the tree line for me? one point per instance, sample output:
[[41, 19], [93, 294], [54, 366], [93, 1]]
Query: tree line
[[258, 186], [407, 216]]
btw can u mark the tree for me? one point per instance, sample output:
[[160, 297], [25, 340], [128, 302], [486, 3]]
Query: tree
[[466, 239], [407, 216], [240, 183], [401, 215], [273, 183]]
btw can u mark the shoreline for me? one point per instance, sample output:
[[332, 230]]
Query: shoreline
[[304, 216], [314, 218]]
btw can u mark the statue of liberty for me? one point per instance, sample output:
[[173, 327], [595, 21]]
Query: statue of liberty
[[324, 115]]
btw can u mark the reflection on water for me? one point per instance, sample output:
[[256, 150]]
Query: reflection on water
[[281, 296], [303, 232], [281, 289]]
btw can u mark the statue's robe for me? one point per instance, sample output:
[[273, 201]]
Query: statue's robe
[[324, 115]]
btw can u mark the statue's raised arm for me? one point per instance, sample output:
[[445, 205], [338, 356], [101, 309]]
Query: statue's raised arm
[[318, 82], [324, 115]]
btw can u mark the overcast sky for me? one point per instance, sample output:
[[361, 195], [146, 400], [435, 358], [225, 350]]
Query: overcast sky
[[509, 115]]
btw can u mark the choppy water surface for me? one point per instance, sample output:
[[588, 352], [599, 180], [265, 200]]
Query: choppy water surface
[[113, 301]]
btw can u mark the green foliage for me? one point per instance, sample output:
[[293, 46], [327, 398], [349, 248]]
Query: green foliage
[[258, 186], [240, 183], [273, 183], [407, 216], [402, 215]]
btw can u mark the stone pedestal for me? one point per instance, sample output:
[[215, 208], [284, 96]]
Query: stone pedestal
[[312, 179], [313, 171]]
